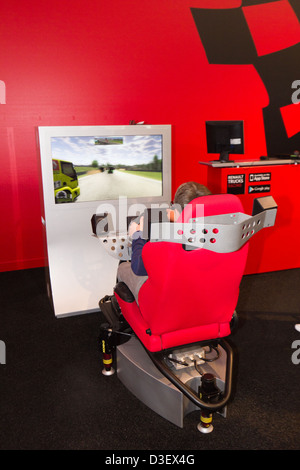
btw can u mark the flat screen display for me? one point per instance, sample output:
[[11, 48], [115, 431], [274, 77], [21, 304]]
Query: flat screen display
[[225, 138], [104, 167]]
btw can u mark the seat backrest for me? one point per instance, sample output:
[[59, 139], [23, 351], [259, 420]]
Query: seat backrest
[[192, 291]]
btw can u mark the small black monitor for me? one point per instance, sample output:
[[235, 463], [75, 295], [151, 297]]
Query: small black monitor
[[224, 138]]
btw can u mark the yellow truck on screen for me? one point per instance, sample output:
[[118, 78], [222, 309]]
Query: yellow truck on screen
[[66, 188]]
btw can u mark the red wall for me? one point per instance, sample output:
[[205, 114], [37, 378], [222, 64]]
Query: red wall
[[91, 62]]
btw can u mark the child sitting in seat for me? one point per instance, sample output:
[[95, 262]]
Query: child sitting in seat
[[133, 273]]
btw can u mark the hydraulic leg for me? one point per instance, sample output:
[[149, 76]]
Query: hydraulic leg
[[107, 347], [209, 393]]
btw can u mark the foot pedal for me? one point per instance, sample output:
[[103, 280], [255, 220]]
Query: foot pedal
[[109, 309], [116, 306]]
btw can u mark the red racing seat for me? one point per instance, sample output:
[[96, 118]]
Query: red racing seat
[[189, 296]]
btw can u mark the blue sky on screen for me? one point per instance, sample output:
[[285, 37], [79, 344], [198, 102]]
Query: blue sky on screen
[[137, 149]]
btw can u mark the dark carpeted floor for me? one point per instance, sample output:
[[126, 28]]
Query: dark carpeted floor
[[54, 396]]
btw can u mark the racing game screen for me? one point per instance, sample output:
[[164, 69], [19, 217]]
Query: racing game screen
[[93, 168]]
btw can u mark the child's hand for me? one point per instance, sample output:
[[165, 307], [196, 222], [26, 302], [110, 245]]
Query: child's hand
[[134, 227], [171, 215]]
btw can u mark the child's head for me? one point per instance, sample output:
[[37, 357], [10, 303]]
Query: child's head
[[186, 192]]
